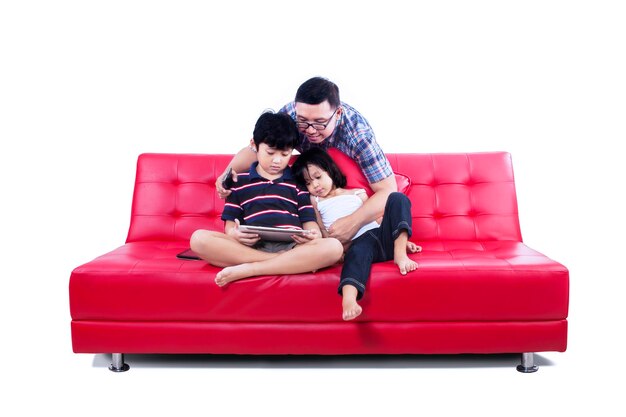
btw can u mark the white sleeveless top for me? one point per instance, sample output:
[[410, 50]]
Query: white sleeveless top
[[343, 205]]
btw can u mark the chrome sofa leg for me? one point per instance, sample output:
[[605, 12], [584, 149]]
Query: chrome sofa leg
[[527, 366], [117, 363]]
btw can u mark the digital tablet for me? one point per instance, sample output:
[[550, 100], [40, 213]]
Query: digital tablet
[[188, 254], [274, 233]]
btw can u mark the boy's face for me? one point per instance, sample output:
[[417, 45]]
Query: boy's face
[[272, 161]]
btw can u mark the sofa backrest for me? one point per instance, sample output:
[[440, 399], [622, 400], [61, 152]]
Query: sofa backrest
[[469, 196], [175, 195], [461, 196]]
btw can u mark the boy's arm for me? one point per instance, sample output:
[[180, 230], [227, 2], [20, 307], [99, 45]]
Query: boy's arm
[[229, 226], [231, 215], [311, 226]]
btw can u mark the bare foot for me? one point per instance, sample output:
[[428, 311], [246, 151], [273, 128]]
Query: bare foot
[[412, 247], [351, 309], [405, 264], [233, 273]]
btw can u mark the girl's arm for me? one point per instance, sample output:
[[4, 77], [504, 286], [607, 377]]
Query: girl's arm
[[320, 223]]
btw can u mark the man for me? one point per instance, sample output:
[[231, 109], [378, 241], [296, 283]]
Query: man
[[323, 120]]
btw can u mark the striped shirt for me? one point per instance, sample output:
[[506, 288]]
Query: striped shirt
[[257, 201], [353, 136]]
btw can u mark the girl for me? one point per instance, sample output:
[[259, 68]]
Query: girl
[[373, 242]]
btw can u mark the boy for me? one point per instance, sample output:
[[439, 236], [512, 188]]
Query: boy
[[267, 196]]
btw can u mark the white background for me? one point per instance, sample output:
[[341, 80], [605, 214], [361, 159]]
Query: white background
[[85, 87]]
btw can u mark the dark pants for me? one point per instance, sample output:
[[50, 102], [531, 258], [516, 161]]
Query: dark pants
[[376, 245]]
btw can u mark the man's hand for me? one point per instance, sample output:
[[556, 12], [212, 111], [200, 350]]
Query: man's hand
[[221, 191], [344, 229]]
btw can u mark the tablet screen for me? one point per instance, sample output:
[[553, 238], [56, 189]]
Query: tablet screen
[[273, 233]]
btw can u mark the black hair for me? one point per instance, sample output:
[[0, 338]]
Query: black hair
[[277, 130], [321, 158], [317, 90]]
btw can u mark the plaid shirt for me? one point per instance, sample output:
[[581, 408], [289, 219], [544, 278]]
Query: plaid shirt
[[353, 136]]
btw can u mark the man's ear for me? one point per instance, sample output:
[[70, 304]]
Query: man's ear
[[253, 146]]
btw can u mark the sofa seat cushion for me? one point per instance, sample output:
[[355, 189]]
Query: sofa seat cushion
[[456, 281]]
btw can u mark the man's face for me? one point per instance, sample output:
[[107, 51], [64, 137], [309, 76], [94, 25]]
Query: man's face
[[316, 121]]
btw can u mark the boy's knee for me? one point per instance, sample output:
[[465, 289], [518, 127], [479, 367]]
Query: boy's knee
[[197, 240], [335, 248]]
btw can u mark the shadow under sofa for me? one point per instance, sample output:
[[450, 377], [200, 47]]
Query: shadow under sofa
[[478, 289]]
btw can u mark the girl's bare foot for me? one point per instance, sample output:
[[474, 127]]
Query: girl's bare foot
[[233, 273], [351, 309], [405, 264]]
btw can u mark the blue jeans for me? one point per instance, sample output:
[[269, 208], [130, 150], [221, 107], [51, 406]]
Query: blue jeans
[[376, 245]]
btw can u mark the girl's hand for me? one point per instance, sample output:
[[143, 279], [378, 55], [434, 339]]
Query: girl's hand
[[307, 237], [245, 238]]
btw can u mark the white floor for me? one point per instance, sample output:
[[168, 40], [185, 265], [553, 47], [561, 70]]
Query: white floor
[[161, 385]]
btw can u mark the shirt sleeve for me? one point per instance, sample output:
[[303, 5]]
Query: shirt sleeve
[[371, 159], [290, 109], [232, 208], [305, 208], [356, 138]]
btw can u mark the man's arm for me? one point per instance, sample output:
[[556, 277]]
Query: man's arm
[[240, 163], [346, 227]]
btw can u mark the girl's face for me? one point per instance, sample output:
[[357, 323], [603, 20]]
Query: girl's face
[[318, 182]]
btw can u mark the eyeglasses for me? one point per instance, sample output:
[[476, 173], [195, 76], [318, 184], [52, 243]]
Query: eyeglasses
[[316, 126]]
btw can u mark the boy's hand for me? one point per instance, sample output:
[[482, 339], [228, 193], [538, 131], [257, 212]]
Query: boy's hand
[[221, 191], [308, 236], [245, 238]]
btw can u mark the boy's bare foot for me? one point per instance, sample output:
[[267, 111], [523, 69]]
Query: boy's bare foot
[[351, 309], [405, 264], [233, 273], [412, 247]]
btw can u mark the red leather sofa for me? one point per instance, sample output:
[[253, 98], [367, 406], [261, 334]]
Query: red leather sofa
[[478, 289]]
